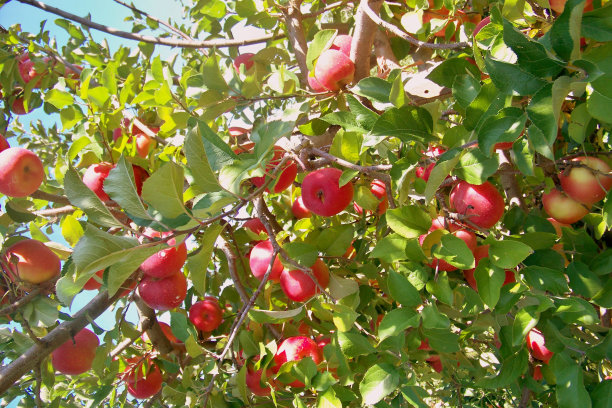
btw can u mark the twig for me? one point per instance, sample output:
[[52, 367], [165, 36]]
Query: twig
[[525, 398], [370, 170], [154, 331], [160, 21], [147, 38], [41, 195], [405, 36], [509, 182], [55, 212]]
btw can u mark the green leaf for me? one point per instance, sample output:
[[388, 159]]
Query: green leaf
[[275, 316], [99, 96], [402, 291], [396, 321], [512, 367], [576, 310], [438, 174], [465, 90], [581, 124], [390, 249], [59, 99], [71, 229], [342, 287], [442, 340], [545, 279], [398, 95], [379, 381], [440, 288], [511, 79], [212, 76], [407, 123], [347, 146], [328, 399], [197, 162], [488, 102], [70, 116], [583, 281], [540, 112], [408, 221], [374, 88], [433, 319], [450, 69], [109, 77], [525, 320], [565, 32], [301, 252], [454, 251], [508, 254], [120, 187], [354, 344], [489, 279], [82, 197], [41, 312], [343, 317], [347, 120], [601, 395], [475, 167], [320, 41], [570, 388], [217, 151], [597, 24], [334, 241], [505, 126], [197, 264], [168, 200]]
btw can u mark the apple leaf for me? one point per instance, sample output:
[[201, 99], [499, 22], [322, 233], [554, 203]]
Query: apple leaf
[[396, 321], [390, 249], [402, 291], [583, 281], [379, 381], [169, 199], [442, 340], [576, 310], [512, 367], [511, 79], [525, 320], [409, 221], [334, 241], [565, 31], [354, 344], [275, 316], [433, 319], [475, 168], [505, 126], [319, 43], [508, 254], [570, 388], [342, 287], [328, 399], [489, 279], [407, 123], [197, 264], [120, 187], [545, 279], [197, 162], [373, 88], [454, 251], [601, 395]]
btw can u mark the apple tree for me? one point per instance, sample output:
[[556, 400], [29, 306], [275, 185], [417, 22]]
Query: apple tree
[[391, 204]]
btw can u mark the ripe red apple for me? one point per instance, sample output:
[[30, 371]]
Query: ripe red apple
[[163, 293], [166, 262], [32, 261], [537, 346], [260, 259], [295, 349], [314, 83], [4, 144], [435, 363], [322, 193], [76, 355], [378, 188], [94, 178], [585, 186], [236, 131], [253, 382], [255, 226], [18, 106], [142, 377], [563, 208], [21, 172], [93, 283], [246, 59], [299, 287], [27, 71], [284, 179], [537, 373], [483, 204], [299, 210], [334, 70], [559, 5], [424, 345], [206, 314], [342, 43], [144, 142], [432, 152]]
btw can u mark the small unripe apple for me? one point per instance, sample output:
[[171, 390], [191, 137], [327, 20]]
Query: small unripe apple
[[295, 349], [299, 210], [32, 261], [284, 178], [482, 204], [334, 70], [21, 172], [342, 43], [299, 286], [563, 208], [94, 178], [206, 314], [585, 186], [168, 261], [246, 59], [259, 260], [4, 144], [322, 193], [76, 355], [379, 190], [163, 293], [537, 346], [142, 377]]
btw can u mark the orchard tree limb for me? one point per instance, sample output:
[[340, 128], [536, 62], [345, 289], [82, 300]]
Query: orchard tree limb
[[385, 58], [41, 195], [293, 20], [509, 183], [373, 14], [154, 331], [55, 212], [22, 301], [13, 371], [182, 43], [363, 38], [374, 171]]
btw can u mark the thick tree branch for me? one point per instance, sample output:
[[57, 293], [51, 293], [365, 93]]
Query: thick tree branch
[[363, 38], [41, 195], [385, 58], [12, 372], [297, 39], [154, 331], [182, 43]]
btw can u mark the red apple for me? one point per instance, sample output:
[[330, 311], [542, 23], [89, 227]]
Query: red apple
[[295, 349], [246, 59], [334, 70], [4, 144], [18, 106], [537, 373], [93, 283], [378, 188], [94, 178], [322, 194], [559, 5], [585, 186], [253, 382], [481, 252], [166, 262], [255, 226], [299, 286], [482, 204], [236, 131], [480, 25], [21, 172], [314, 84], [163, 293], [259, 260], [142, 377], [284, 179], [206, 314], [563, 208], [537, 346], [299, 210], [342, 43], [144, 142], [435, 363], [432, 152], [424, 345], [76, 355], [32, 261], [467, 236], [140, 175], [27, 71]]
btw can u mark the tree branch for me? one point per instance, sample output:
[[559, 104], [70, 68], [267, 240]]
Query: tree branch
[[41, 195], [363, 37], [182, 43], [160, 21], [509, 182], [297, 39], [154, 331], [385, 58]]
